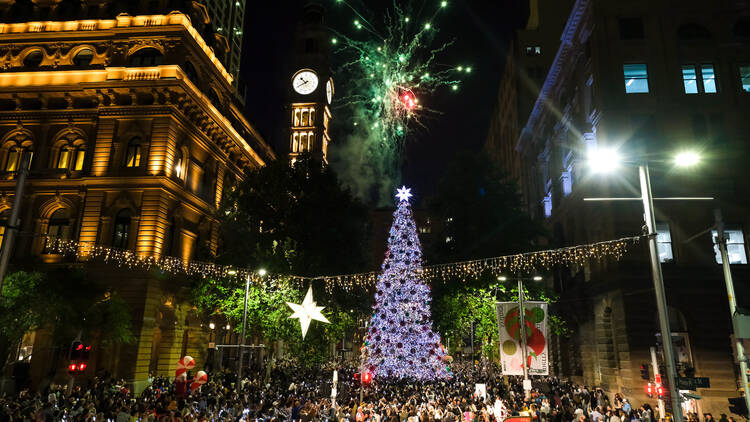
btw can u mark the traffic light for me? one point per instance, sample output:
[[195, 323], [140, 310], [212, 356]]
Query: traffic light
[[660, 392], [738, 406], [650, 390], [79, 358], [366, 378], [644, 372]]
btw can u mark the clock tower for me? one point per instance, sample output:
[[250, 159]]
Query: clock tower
[[311, 87]]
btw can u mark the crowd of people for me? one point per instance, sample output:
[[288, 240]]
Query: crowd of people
[[296, 394]]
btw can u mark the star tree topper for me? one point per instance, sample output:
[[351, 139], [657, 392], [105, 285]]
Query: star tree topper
[[307, 311], [403, 194]]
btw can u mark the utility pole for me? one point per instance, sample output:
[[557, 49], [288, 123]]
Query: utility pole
[[241, 342], [522, 332], [741, 358], [14, 222], [661, 300]]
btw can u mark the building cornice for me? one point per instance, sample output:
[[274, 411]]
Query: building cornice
[[122, 21], [567, 44]]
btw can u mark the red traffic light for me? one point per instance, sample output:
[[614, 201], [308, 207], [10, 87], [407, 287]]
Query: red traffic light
[[650, 390], [82, 367], [79, 346], [659, 391], [72, 367], [366, 377], [657, 378]]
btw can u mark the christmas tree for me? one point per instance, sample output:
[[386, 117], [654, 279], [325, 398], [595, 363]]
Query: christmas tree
[[400, 342]]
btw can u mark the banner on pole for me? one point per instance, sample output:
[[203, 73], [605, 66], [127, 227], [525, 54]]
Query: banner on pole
[[508, 323]]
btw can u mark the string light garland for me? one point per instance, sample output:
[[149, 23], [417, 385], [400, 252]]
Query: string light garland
[[464, 270]]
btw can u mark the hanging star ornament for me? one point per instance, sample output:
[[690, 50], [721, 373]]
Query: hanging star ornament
[[403, 194], [307, 311]]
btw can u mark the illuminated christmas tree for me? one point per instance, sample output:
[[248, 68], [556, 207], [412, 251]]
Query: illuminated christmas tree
[[400, 341]]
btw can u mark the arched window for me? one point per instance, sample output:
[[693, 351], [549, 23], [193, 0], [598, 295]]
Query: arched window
[[178, 165], [63, 158], [80, 155], [693, 31], [58, 228], [145, 57], [122, 229], [33, 58], [214, 98], [190, 72], [133, 153], [15, 157], [83, 57]]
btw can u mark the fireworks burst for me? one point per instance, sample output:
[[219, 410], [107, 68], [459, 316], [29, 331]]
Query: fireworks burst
[[387, 72]]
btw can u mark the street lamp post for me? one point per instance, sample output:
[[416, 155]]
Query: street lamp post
[[661, 300], [241, 342], [607, 160]]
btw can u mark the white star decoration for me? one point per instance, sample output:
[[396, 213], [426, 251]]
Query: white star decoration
[[307, 311], [403, 194]]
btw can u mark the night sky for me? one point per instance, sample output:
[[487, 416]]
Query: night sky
[[480, 30]]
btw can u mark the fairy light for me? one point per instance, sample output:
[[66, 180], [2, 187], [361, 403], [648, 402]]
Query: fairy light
[[464, 270]]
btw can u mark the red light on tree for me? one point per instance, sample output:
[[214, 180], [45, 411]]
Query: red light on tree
[[409, 100]]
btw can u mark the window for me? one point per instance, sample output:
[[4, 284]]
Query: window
[[58, 228], [735, 246], [699, 79], [64, 157], [631, 28], [83, 57], [547, 204], [636, 78], [16, 155], [745, 77], [664, 243], [178, 170], [122, 229], [80, 155], [33, 58], [534, 50], [133, 156], [145, 57]]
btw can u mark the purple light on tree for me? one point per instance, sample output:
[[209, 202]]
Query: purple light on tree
[[400, 342]]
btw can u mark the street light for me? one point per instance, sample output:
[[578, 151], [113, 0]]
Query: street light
[[604, 160], [211, 325]]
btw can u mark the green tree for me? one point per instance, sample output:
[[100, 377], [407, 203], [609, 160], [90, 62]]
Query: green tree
[[290, 220], [67, 302]]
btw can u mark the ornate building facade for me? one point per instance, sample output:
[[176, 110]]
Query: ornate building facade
[[650, 78], [133, 138]]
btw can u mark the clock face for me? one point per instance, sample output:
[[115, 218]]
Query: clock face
[[305, 82], [329, 90]]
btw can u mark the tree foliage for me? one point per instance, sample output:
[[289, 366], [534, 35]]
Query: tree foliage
[[294, 219], [67, 302]]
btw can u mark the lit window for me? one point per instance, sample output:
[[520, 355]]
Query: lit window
[[735, 246], [547, 203], [64, 158], [534, 50], [15, 157], [178, 170], [709, 78], [448, 239], [79, 157], [566, 180], [664, 243], [636, 78], [122, 229], [133, 156], [690, 79], [745, 77], [699, 79]]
